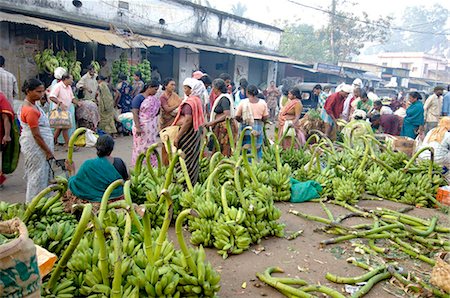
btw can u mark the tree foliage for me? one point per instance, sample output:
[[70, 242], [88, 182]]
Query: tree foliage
[[303, 43], [351, 33], [239, 9], [422, 19]]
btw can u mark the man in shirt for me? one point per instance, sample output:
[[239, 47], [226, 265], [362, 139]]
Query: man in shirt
[[321, 96], [371, 94], [88, 83], [389, 124], [8, 83], [334, 105], [446, 103], [433, 108], [357, 83], [380, 109]]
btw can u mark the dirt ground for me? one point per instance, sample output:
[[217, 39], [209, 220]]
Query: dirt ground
[[301, 257]]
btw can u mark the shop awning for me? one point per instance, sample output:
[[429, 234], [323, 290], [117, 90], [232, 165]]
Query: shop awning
[[84, 34], [371, 76], [306, 69], [414, 81]]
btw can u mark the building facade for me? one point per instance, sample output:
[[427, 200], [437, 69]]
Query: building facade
[[177, 36]]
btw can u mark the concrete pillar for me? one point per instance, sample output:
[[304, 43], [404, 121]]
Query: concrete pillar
[[240, 68], [188, 62], [272, 72]]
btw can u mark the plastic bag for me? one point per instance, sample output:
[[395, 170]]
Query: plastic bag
[[88, 139], [45, 260], [304, 191]]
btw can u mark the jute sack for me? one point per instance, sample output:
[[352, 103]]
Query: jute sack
[[19, 271], [440, 276]]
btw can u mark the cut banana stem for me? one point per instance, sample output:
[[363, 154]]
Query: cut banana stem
[[116, 291], [179, 232], [106, 196], [165, 227], [103, 256]]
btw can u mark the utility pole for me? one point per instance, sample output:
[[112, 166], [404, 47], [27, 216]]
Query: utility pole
[[332, 23]]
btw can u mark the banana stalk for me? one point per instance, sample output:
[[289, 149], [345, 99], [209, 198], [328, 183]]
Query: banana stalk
[[253, 144], [322, 289], [186, 174], [138, 168], [127, 197], [241, 140], [73, 139], [370, 283], [165, 227], [327, 211], [211, 135], [285, 289], [248, 167], [103, 255], [416, 155], [169, 173], [148, 154], [224, 197], [32, 206], [79, 231], [356, 279], [212, 178], [230, 135], [179, 232], [426, 233], [116, 291], [148, 245], [105, 198]]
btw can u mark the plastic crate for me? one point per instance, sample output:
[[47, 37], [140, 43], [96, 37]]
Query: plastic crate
[[443, 196]]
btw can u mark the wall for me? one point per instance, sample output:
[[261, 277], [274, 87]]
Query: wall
[[216, 63], [420, 63], [187, 62], [19, 53], [182, 21], [241, 68]]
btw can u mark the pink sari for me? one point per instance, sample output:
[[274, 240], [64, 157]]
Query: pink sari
[[148, 113]]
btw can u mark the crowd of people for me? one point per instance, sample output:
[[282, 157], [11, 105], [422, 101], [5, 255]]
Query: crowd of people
[[146, 110]]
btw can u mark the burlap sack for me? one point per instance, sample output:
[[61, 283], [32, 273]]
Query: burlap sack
[[19, 271], [440, 276]]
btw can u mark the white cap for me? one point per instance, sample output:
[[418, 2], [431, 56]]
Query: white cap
[[357, 82], [346, 88]]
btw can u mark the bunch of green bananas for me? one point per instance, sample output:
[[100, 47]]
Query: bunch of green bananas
[[120, 66], [280, 182], [420, 187], [145, 69], [96, 65], [46, 61], [347, 189], [9, 211], [230, 238]]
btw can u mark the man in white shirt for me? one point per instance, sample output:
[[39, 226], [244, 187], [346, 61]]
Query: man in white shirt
[[357, 83], [371, 94], [433, 108], [88, 83], [8, 83]]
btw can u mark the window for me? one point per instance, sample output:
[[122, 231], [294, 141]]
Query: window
[[384, 64], [414, 69], [406, 65], [425, 69]]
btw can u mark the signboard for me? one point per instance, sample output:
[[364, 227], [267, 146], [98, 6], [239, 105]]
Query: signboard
[[329, 68]]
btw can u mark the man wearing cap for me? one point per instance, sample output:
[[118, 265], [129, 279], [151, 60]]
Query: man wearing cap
[[433, 108], [334, 105]]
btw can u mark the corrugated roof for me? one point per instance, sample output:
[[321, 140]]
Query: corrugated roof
[[83, 34]]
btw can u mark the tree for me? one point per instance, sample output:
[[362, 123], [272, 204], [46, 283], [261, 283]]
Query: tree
[[303, 43], [350, 32], [420, 19], [341, 39], [239, 9]]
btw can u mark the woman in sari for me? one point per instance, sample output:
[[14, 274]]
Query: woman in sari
[[290, 115], [170, 101], [6, 120], [253, 112], [439, 139], [413, 123], [123, 94], [272, 97], [190, 118], [36, 139], [223, 107], [95, 175], [145, 108], [62, 98], [106, 107], [138, 84]]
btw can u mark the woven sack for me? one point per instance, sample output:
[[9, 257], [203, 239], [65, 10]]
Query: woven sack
[[19, 271], [440, 276]]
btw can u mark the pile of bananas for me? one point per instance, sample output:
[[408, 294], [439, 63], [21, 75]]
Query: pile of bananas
[[120, 66], [144, 68], [48, 62]]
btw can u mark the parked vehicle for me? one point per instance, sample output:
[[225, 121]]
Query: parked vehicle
[[386, 93], [309, 99]]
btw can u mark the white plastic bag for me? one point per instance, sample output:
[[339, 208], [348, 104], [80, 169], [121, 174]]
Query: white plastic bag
[[91, 138]]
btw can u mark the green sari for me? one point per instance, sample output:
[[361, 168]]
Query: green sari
[[106, 109], [92, 179], [414, 118]]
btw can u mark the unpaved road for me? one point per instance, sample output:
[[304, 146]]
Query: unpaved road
[[301, 257]]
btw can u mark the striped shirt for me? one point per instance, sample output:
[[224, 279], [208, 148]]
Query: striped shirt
[[8, 85]]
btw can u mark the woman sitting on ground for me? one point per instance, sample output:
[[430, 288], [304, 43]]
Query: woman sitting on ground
[[95, 175]]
